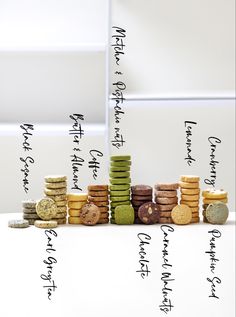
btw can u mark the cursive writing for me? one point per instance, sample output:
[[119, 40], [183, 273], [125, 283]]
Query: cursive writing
[[50, 261], [143, 261], [214, 141], [94, 164], [189, 125], [166, 276]]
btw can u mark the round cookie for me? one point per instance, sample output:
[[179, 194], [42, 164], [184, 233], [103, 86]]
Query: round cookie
[[167, 186], [74, 220], [100, 203], [120, 158], [29, 204], [217, 213], [189, 178], [55, 192], [190, 197], [188, 185], [120, 163], [119, 174], [166, 207], [90, 214], [214, 193], [55, 178], [166, 193], [164, 220], [181, 215], [189, 203], [141, 190], [77, 197], [98, 198], [124, 215], [137, 198], [18, 223], [61, 203], [119, 193], [120, 187], [117, 181], [194, 191], [120, 168], [76, 204], [74, 212], [98, 187], [46, 208], [45, 224], [100, 193], [29, 210], [118, 203], [166, 201], [210, 201], [148, 213], [58, 197], [55, 185]]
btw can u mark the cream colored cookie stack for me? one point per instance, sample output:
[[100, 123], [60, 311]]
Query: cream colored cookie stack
[[75, 204], [190, 194], [56, 188], [212, 196]]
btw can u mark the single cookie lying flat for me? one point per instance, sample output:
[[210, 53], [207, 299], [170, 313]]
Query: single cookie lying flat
[[45, 224], [18, 223]]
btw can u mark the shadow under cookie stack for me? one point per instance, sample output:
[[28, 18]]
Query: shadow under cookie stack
[[166, 198], [120, 184], [56, 188], [190, 194]]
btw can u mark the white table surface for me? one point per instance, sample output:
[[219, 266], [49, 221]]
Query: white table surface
[[95, 273]]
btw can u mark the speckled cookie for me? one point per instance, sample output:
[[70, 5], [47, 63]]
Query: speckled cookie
[[58, 197], [55, 185], [217, 213], [166, 193], [90, 214], [148, 213], [98, 188], [167, 186], [166, 201], [45, 224], [181, 215], [214, 194], [61, 221], [46, 208], [61, 203], [55, 178], [55, 192], [29, 210], [31, 216], [29, 204], [124, 215], [18, 223], [141, 190]]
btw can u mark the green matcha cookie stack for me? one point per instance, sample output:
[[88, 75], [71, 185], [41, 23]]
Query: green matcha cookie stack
[[119, 183]]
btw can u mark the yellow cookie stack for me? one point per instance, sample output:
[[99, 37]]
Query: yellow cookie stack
[[56, 188], [75, 204], [212, 196], [190, 193]]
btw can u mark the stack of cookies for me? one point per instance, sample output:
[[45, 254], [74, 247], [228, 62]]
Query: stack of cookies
[[166, 199], [75, 204], [140, 194], [119, 182], [56, 188], [189, 187], [212, 196], [99, 196], [29, 211]]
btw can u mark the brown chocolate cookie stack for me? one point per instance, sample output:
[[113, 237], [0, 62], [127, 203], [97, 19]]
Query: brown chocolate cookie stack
[[166, 199], [56, 189], [140, 194], [190, 193], [99, 196]]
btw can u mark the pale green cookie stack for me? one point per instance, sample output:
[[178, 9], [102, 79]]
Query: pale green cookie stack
[[119, 182]]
